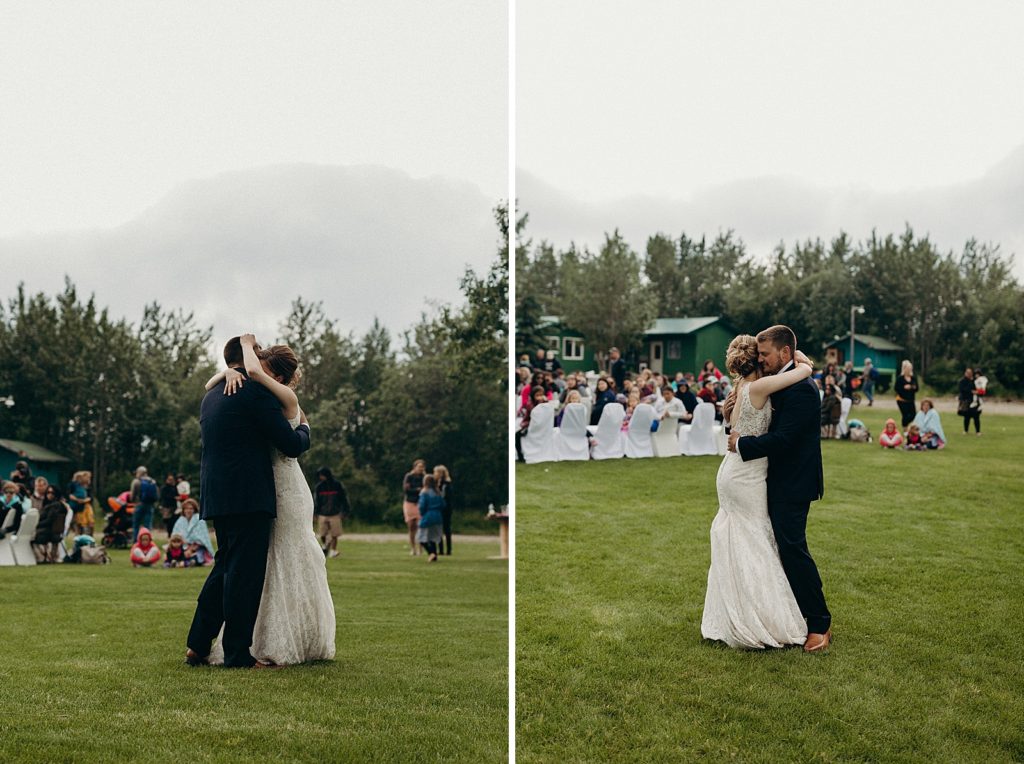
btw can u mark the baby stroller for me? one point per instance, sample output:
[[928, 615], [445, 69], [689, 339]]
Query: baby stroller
[[117, 533]]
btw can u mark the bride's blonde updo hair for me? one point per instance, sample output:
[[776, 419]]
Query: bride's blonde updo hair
[[283, 363], [741, 357]]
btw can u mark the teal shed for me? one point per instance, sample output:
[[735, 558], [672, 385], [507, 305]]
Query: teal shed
[[42, 461]]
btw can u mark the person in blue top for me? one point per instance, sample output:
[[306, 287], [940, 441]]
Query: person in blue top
[[430, 529]]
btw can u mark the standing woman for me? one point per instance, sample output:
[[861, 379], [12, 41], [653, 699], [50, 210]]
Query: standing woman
[[430, 506], [169, 503], [412, 483], [443, 486], [968, 403], [906, 387]]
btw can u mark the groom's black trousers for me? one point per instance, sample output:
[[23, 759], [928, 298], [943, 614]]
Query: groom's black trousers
[[232, 592], [789, 521]]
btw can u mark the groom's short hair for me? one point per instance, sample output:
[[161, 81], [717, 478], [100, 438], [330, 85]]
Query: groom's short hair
[[780, 336], [233, 352]]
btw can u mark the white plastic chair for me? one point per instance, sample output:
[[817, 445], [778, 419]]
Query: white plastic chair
[[539, 442], [699, 438], [21, 545], [608, 435], [571, 438], [843, 428], [638, 437]]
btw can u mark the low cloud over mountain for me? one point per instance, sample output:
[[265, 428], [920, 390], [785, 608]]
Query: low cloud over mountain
[[765, 211]]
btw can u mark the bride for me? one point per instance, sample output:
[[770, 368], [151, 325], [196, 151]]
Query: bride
[[296, 619], [749, 602]]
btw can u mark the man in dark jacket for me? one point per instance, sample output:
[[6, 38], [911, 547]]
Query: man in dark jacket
[[237, 492], [330, 505], [618, 369]]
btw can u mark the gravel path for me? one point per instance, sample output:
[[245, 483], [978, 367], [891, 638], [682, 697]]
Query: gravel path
[[948, 405], [383, 538]]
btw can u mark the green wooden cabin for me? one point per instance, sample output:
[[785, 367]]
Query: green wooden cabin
[[567, 343], [42, 461], [885, 356], [684, 344]]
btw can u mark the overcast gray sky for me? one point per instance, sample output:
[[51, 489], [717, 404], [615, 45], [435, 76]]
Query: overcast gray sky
[[780, 120], [229, 156]]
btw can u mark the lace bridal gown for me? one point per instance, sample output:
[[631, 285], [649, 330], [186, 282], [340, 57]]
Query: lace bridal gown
[[749, 603], [296, 619]]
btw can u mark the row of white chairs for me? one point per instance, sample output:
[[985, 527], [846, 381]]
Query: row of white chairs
[[543, 442]]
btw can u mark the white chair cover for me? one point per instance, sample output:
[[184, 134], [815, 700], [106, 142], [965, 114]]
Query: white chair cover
[[539, 442], [571, 442], [608, 436], [721, 439], [6, 550], [700, 437], [21, 545], [638, 437], [666, 440], [843, 429]]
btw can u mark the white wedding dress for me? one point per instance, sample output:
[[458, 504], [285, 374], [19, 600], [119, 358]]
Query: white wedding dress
[[296, 619], [749, 603]]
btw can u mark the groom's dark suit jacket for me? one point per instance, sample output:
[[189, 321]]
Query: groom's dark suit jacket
[[238, 432], [792, 445]]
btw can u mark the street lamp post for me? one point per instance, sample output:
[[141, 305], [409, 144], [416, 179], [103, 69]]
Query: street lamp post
[[854, 310]]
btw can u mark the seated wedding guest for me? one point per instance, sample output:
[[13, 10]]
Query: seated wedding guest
[[678, 381], [603, 397], [573, 397], [38, 495], [522, 379], [706, 392], [582, 385], [559, 381], [927, 420], [570, 386], [914, 441], [709, 371], [537, 398], [12, 508], [174, 557], [669, 408], [631, 403], [431, 504], [536, 383], [194, 533], [50, 530], [689, 400], [890, 437], [144, 552]]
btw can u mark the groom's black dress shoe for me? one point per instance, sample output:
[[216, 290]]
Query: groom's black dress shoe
[[192, 658]]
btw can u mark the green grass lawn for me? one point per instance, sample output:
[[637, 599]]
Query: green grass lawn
[[93, 672], [922, 556]]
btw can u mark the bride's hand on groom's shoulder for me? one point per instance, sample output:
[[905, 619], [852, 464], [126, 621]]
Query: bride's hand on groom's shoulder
[[248, 339], [232, 381], [799, 357]]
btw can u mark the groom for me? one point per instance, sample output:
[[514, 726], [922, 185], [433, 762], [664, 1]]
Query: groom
[[239, 432], [793, 447]]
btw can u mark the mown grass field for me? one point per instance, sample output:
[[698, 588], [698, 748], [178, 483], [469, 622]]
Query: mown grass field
[[922, 556], [93, 672]]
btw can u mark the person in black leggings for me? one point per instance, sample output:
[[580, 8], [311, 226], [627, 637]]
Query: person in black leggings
[[967, 405], [906, 387]]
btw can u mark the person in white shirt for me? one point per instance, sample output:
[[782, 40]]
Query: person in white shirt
[[668, 407]]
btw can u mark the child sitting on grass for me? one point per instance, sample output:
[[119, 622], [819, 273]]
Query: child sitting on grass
[[914, 440], [176, 556], [144, 552], [890, 437]]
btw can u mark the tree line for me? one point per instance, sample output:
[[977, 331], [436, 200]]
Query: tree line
[[111, 395], [947, 309]]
